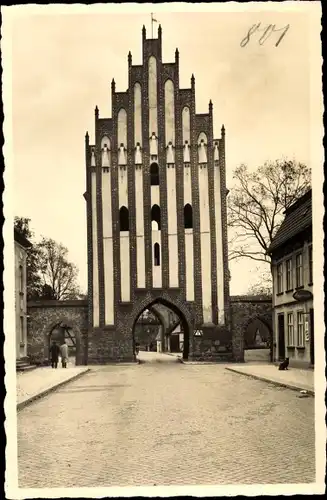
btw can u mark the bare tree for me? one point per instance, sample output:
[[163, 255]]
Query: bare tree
[[58, 275], [263, 284], [257, 203]]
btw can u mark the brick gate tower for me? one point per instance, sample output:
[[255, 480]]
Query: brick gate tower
[[156, 213]]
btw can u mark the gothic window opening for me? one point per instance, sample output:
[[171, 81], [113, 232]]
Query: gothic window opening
[[123, 219], [154, 174], [156, 254], [155, 217], [188, 216]]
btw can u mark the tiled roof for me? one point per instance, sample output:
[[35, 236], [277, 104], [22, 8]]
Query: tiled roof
[[298, 218]]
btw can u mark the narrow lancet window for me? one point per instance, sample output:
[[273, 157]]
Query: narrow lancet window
[[156, 254], [123, 219], [155, 216], [188, 216], [154, 174]]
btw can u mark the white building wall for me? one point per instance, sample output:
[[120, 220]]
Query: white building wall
[[123, 187], [95, 253], [187, 186], [153, 109], [169, 112], [140, 249], [205, 244], [122, 127], [155, 196], [125, 267], [137, 114], [219, 249], [172, 227], [189, 264], [107, 248]]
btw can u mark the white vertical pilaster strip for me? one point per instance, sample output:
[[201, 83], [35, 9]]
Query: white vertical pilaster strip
[[124, 238], [107, 248], [172, 227], [189, 254], [219, 247], [137, 114], [189, 264], [96, 313], [205, 243], [153, 101], [140, 249], [125, 267]]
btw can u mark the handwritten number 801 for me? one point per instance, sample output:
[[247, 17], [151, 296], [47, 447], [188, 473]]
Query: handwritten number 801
[[266, 33]]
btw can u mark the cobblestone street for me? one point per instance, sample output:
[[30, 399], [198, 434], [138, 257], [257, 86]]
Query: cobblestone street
[[161, 422]]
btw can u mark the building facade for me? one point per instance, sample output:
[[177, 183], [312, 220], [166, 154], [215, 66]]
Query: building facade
[[292, 270], [21, 245], [156, 211]]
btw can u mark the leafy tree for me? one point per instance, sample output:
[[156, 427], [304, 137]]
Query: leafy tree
[[58, 275], [257, 203], [49, 274]]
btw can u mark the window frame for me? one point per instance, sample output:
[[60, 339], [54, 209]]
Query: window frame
[[298, 315], [299, 277], [290, 330], [280, 278], [289, 274], [310, 266]]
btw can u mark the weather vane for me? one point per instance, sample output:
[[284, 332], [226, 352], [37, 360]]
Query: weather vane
[[153, 20]]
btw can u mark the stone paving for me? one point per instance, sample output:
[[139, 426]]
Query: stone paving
[[165, 423], [293, 377], [34, 382]]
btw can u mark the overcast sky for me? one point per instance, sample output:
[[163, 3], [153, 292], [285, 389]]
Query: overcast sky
[[62, 66]]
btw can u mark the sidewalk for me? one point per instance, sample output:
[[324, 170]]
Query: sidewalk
[[293, 378], [41, 381]]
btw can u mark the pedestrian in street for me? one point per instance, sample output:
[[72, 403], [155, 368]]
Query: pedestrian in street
[[54, 354], [64, 354]]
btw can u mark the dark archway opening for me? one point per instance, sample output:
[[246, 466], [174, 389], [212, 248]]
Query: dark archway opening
[[154, 174], [171, 332], [63, 332], [257, 340], [156, 216], [188, 216], [156, 252], [123, 219]]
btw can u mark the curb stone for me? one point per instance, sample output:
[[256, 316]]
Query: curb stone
[[274, 382], [45, 392]]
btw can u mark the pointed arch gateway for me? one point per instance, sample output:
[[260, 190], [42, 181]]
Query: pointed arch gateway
[[174, 305]]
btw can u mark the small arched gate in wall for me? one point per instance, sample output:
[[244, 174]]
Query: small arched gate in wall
[[250, 313], [57, 320]]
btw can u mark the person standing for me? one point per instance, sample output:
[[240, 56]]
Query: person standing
[[64, 354], [54, 354]]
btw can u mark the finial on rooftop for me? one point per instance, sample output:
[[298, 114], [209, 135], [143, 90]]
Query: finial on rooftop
[[223, 130], [129, 58], [113, 85], [96, 111]]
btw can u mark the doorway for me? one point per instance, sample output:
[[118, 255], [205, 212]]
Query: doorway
[[281, 337], [312, 338]]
